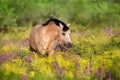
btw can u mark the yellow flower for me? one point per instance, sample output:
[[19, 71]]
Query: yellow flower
[[32, 74], [21, 70], [7, 67], [83, 61], [6, 48], [50, 59], [69, 74]]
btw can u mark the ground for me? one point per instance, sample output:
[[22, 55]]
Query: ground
[[95, 55]]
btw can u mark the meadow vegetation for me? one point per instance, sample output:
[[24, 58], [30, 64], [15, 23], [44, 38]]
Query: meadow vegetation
[[95, 33]]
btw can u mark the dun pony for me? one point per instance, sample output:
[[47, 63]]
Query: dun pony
[[47, 37]]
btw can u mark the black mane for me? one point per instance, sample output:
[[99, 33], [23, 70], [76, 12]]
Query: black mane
[[57, 22]]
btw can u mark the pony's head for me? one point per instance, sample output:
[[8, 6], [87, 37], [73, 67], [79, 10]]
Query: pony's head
[[64, 32], [65, 35]]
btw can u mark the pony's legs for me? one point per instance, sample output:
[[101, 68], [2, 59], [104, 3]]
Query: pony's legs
[[41, 50], [51, 52], [51, 47]]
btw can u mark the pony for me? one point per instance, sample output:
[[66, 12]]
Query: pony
[[47, 37]]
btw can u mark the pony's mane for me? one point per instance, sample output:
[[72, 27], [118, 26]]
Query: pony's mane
[[57, 22]]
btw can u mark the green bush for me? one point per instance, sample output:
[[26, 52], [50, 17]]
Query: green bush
[[86, 12]]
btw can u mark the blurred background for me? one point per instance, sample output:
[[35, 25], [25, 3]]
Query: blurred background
[[91, 13], [95, 33]]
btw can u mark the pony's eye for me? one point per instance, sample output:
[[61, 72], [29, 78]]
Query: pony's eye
[[63, 33]]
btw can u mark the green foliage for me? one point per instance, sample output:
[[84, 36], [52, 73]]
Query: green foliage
[[7, 15], [94, 56], [86, 12]]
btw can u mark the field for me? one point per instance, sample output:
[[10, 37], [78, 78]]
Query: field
[[95, 55], [95, 33]]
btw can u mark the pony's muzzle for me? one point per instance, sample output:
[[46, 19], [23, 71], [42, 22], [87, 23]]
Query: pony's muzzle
[[69, 45]]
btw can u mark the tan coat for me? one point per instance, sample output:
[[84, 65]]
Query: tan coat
[[44, 38]]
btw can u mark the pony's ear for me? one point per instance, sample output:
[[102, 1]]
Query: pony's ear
[[68, 24], [61, 26], [60, 32]]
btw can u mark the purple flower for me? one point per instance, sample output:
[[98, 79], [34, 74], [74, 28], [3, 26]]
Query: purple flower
[[59, 71], [109, 32], [57, 68], [108, 76], [55, 64], [5, 57], [24, 42], [4, 42], [85, 70], [15, 42], [103, 64], [78, 66], [98, 72], [24, 77], [90, 70], [29, 59]]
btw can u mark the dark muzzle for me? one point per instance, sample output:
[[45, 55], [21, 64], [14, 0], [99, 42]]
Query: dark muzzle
[[69, 45]]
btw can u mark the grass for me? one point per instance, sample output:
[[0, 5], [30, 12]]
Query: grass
[[94, 56]]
